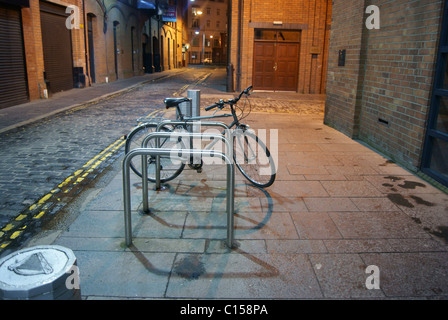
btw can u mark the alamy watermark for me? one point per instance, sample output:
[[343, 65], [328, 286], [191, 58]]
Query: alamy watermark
[[73, 281], [373, 280], [373, 21], [249, 147], [72, 22]]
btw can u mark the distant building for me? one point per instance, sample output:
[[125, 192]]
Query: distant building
[[57, 45], [207, 31], [280, 46]]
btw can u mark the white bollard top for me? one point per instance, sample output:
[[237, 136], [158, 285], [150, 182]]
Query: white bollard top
[[35, 271]]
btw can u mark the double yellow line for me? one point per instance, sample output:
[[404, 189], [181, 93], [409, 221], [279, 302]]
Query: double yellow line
[[197, 82], [36, 211]]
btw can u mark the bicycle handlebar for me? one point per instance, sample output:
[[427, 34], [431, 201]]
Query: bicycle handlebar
[[221, 102]]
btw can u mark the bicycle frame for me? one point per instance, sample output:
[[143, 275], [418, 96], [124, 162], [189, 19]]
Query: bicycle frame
[[235, 122], [180, 116]]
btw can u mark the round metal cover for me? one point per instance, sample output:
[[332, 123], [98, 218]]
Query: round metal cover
[[35, 271]]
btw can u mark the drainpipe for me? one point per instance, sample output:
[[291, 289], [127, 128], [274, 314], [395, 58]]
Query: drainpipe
[[85, 42], [229, 44], [240, 27]]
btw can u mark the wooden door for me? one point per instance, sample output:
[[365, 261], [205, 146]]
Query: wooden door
[[287, 66], [264, 65], [276, 65]]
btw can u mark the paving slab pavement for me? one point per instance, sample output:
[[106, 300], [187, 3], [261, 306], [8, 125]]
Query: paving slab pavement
[[336, 208]]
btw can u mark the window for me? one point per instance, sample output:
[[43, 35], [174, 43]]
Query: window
[[277, 35], [208, 23], [195, 42], [435, 152], [217, 24], [218, 12], [209, 11]]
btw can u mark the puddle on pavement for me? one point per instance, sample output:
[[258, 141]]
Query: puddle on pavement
[[190, 267]]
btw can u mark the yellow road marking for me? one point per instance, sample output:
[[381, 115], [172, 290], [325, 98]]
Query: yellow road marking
[[88, 167], [75, 178]]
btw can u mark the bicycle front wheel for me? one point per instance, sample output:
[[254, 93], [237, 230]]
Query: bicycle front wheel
[[253, 158], [169, 168]]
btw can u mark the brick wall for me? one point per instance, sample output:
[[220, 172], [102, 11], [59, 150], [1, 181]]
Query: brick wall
[[311, 17], [347, 26], [32, 38], [382, 95]]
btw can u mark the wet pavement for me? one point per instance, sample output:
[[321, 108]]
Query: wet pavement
[[313, 234], [340, 222]]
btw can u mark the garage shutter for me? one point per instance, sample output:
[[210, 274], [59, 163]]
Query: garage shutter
[[13, 81], [57, 43]]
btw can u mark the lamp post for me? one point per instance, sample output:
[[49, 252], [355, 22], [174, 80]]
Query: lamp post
[[203, 46], [199, 13]]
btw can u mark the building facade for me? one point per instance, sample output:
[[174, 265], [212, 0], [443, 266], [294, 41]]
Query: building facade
[[386, 82], [280, 46], [49, 46], [39, 54], [207, 31]]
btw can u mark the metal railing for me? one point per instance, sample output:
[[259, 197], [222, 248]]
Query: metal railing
[[177, 154], [192, 126]]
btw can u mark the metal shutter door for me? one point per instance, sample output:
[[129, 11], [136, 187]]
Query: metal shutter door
[[57, 44], [13, 81]]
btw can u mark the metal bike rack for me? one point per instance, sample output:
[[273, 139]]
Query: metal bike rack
[[191, 122], [157, 136], [144, 152], [178, 122]]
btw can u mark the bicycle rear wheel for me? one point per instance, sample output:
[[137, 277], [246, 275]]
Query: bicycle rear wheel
[[169, 168], [253, 158]]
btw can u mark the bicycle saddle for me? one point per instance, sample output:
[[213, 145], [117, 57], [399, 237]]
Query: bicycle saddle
[[174, 102]]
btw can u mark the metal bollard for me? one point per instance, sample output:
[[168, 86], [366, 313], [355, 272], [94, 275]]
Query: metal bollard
[[40, 273]]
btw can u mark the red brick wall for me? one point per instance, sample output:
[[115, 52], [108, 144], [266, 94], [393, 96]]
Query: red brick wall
[[342, 82], [32, 38], [313, 18], [387, 77]]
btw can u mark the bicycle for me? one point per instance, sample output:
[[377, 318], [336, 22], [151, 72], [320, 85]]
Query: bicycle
[[250, 154]]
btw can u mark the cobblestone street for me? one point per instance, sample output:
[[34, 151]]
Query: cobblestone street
[[39, 156], [45, 154]]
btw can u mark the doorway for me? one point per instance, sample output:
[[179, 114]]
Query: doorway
[[13, 76], [116, 49], [57, 48], [90, 37], [276, 60]]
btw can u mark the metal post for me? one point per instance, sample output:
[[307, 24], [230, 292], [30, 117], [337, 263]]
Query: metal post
[[230, 204], [145, 181], [195, 96], [185, 108], [127, 200]]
